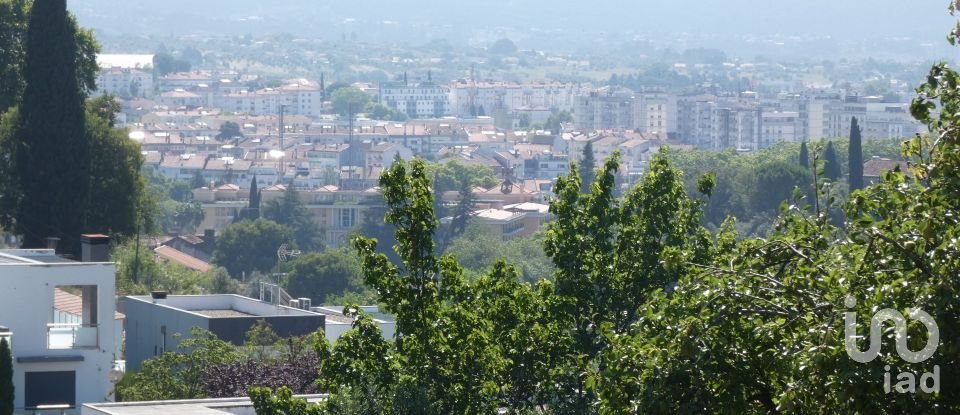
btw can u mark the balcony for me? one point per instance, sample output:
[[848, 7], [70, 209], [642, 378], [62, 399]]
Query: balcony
[[66, 336]]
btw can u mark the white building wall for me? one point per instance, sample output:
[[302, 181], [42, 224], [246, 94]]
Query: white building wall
[[27, 307]]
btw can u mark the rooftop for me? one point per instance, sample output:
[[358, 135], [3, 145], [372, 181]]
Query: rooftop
[[237, 406], [223, 306]]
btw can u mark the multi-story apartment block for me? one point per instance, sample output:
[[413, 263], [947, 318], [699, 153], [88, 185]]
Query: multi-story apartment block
[[606, 109], [60, 359], [337, 211], [125, 82], [470, 98], [421, 100]]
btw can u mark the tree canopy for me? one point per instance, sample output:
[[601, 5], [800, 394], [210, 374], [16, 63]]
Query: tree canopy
[[250, 245]]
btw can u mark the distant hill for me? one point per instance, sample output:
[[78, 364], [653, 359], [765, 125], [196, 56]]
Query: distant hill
[[422, 20]]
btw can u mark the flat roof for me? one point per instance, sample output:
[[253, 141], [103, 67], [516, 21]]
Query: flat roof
[[223, 313], [223, 406]]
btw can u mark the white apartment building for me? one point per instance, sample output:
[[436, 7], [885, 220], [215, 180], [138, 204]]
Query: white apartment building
[[59, 365], [299, 97], [469, 98], [422, 100], [125, 82]]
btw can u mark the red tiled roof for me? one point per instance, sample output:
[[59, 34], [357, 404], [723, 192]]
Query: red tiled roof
[[182, 258], [73, 304], [876, 167]]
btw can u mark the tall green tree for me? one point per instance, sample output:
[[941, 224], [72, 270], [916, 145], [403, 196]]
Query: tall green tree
[[320, 276], [831, 163], [855, 157], [6, 378], [290, 211], [118, 202], [13, 29], [349, 100], [252, 211], [51, 150], [587, 168], [445, 359], [610, 254], [804, 155], [250, 245]]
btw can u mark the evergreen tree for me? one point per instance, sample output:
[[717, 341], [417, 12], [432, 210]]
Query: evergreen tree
[[6, 378], [831, 166], [855, 156], [804, 155], [587, 168], [290, 211], [13, 27], [252, 211], [52, 150]]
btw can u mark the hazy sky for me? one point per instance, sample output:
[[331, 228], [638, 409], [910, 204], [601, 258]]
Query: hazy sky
[[925, 21]]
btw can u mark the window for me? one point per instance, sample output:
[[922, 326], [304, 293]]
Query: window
[[73, 325], [348, 218]]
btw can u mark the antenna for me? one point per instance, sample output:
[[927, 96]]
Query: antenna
[[284, 253]]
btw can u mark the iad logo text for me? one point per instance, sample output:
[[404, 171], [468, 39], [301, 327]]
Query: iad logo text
[[906, 381]]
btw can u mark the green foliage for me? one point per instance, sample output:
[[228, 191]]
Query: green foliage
[[855, 157], [13, 28], [229, 130], [50, 198], [553, 123], [265, 402], [452, 175], [382, 112], [441, 352], [290, 211], [325, 275], [6, 378], [478, 249], [503, 47], [165, 63], [250, 245], [775, 184], [587, 168], [349, 101], [804, 155], [259, 339], [610, 254], [118, 201], [358, 370], [139, 272], [831, 167], [177, 374]]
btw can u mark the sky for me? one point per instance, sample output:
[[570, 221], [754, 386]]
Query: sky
[[923, 21]]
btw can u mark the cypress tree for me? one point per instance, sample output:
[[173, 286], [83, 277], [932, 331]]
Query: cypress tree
[[6, 378], [252, 211], [52, 150], [831, 167], [855, 156], [804, 155], [13, 26], [587, 166]]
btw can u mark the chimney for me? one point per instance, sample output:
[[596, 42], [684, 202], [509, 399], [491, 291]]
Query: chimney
[[52, 243], [94, 248], [158, 295]]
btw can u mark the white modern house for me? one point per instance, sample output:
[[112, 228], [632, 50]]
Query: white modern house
[[59, 365]]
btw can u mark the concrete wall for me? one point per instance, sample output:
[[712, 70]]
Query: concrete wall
[[144, 322], [146, 318], [26, 307]]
